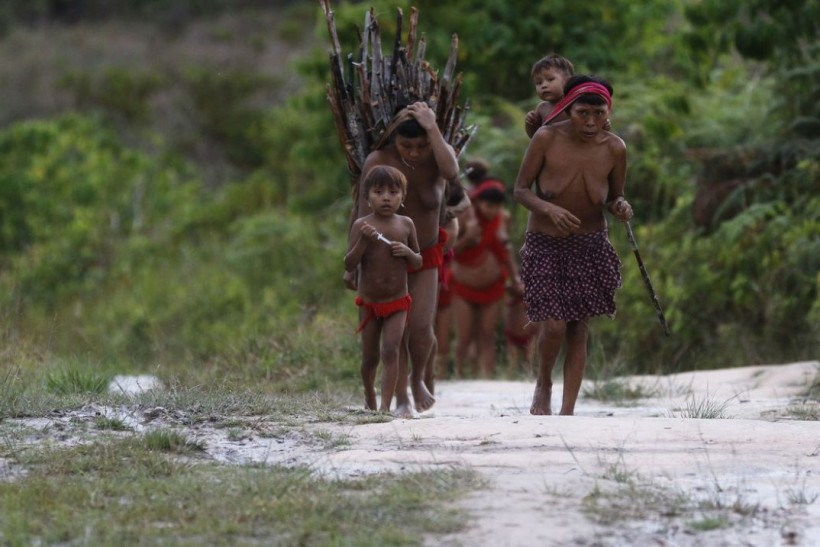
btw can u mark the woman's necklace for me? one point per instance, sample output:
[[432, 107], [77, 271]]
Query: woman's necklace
[[412, 167]]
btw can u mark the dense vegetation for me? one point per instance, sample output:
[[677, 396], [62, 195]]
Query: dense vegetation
[[183, 210]]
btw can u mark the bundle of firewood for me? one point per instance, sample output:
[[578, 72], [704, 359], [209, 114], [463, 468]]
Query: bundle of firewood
[[367, 88]]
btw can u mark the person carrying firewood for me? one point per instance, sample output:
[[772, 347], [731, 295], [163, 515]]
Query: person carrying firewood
[[420, 152]]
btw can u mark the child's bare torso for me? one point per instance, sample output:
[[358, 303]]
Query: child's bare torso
[[383, 277], [425, 192], [575, 176]]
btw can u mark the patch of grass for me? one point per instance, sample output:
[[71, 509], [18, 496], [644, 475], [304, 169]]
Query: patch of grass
[[705, 408], [813, 392], [123, 493], [11, 392], [708, 523], [618, 392], [800, 493], [111, 424], [168, 440], [805, 412], [329, 440], [75, 379]]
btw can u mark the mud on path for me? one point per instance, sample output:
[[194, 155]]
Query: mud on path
[[611, 475]]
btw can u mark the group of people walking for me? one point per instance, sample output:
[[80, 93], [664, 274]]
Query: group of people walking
[[413, 236]]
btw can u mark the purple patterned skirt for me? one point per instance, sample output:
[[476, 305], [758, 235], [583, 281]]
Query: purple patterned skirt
[[569, 278]]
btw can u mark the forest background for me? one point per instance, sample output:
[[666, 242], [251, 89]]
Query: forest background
[[174, 199]]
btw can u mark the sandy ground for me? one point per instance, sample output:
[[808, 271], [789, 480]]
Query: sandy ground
[[609, 476], [755, 470]]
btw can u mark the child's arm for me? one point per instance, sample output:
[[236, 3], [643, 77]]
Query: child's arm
[[357, 244], [532, 121], [411, 250]]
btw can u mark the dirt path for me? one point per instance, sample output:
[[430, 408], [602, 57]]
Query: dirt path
[[609, 476], [652, 477]]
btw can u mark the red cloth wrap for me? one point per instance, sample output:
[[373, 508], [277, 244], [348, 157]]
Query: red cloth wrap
[[473, 256], [589, 87], [483, 296], [433, 256], [382, 309], [519, 340], [445, 295], [489, 184]]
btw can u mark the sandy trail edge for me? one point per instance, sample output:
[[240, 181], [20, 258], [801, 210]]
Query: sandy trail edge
[[539, 468]]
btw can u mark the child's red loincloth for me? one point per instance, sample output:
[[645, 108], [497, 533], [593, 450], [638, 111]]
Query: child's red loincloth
[[382, 309]]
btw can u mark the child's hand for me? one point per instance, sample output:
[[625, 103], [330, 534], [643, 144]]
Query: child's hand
[[532, 118], [516, 286], [400, 249], [349, 279], [369, 231]]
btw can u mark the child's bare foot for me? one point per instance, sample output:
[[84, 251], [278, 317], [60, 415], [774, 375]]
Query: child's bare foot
[[404, 411], [421, 396], [541, 401], [370, 399]]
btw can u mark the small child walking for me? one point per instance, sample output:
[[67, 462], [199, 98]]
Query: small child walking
[[382, 245]]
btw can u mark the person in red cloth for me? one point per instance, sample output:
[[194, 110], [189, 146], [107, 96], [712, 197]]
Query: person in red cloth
[[482, 265], [382, 245], [456, 203], [519, 334], [427, 161], [569, 267]]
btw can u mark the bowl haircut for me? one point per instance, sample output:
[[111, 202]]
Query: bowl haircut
[[385, 176]]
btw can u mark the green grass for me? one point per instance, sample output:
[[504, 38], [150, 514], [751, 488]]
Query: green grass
[[618, 392], [133, 491], [75, 379], [705, 408]]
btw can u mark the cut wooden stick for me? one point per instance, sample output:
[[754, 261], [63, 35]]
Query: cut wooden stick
[[646, 280], [367, 89]]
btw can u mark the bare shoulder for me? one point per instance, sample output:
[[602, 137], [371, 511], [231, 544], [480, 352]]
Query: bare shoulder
[[405, 220], [615, 143], [545, 134]]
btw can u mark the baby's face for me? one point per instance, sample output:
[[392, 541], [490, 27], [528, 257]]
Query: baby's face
[[549, 84]]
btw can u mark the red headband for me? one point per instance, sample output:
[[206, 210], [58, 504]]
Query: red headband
[[575, 92], [488, 184]]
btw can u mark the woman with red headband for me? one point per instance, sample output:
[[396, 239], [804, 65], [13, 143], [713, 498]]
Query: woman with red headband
[[481, 267], [570, 270]]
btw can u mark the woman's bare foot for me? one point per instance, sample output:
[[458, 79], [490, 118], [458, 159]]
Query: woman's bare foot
[[541, 401], [421, 396]]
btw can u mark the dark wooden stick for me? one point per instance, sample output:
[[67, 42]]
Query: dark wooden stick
[[646, 280]]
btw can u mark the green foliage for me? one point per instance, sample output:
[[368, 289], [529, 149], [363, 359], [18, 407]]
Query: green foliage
[[133, 258], [499, 40], [117, 91], [69, 193]]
